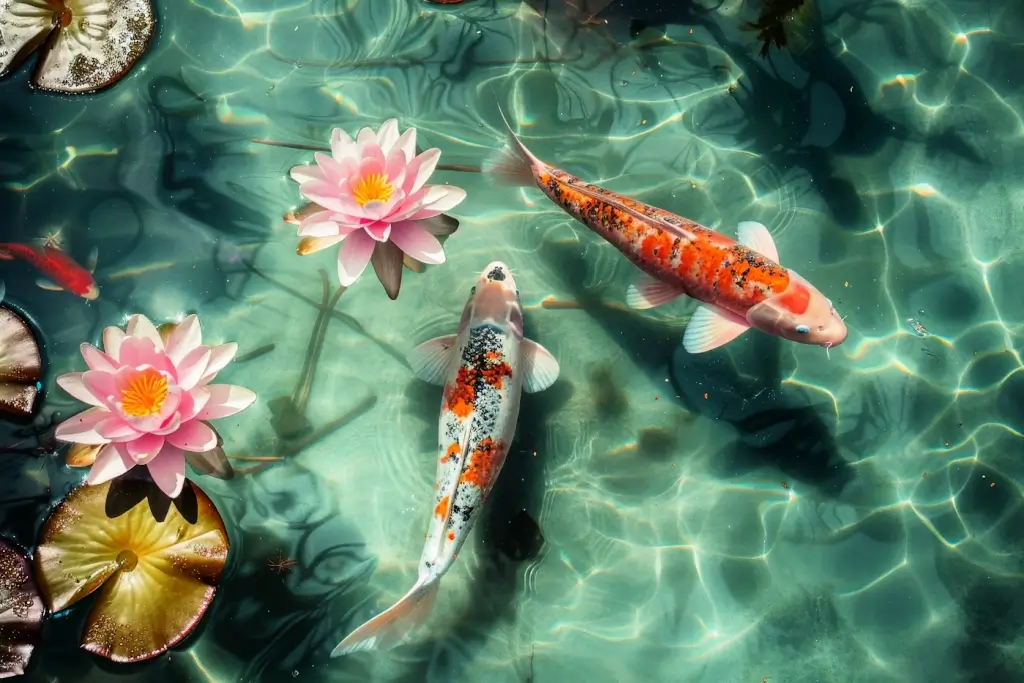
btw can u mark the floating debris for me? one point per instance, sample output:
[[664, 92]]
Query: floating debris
[[21, 365], [917, 327]]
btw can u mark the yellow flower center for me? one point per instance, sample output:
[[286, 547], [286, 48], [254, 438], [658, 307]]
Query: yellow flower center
[[145, 394], [373, 187]]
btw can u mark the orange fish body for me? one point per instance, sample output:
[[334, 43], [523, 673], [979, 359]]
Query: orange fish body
[[64, 272], [740, 283]]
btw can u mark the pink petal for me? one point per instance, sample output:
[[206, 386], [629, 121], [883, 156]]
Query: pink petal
[[136, 352], [226, 400], [407, 143], [441, 198], [387, 135], [168, 470], [115, 428], [395, 168], [417, 242], [323, 193], [103, 386], [81, 428], [378, 230], [420, 170], [340, 143], [145, 448], [187, 336], [170, 426], [96, 359], [305, 172], [193, 436], [366, 136], [140, 327], [353, 256], [200, 398], [192, 367], [72, 383], [111, 462], [333, 171], [220, 356], [112, 338]]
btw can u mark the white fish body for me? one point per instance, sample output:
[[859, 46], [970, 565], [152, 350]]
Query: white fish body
[[484, 369]]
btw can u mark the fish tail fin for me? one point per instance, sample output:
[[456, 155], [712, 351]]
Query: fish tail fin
[[393, 626], [514, 165], [5, 254]]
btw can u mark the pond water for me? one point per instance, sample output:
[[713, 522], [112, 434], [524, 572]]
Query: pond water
[[764, 511]]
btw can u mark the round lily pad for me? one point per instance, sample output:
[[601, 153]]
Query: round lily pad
[[155, 579], [85, 45], [21, 365], [21, 611]]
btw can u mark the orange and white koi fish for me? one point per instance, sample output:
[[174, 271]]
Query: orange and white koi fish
[[484, 370], [739, 284]]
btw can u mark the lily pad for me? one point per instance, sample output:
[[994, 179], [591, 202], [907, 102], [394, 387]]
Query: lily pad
[[21, 364], [155, 579], [21, 611], [86, 45]]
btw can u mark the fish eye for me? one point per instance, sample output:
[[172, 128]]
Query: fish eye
[[517, 294], [472, 290], [803, 329]]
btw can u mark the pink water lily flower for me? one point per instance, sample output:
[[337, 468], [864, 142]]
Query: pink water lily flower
[[370, 194], [150, 394]]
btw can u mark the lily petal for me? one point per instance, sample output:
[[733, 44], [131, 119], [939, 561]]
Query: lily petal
[[220, 356], [192, 367], [145, 448], [72, 384], [193, 436], [115, 428], [420, 170], [111, 462], [81, 428], [340, 142], [311, 245], [96, 359], [139, 326], [387, 135], [303, 173], [112, 338], [185, 338], [417, 242], [353, 256], [168, 470], [226, 400]]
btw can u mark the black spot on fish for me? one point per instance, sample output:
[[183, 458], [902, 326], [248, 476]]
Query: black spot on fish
[[496, 274]]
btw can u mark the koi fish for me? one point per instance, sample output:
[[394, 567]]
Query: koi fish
[[484, 369], [739, 284], [63, 272]]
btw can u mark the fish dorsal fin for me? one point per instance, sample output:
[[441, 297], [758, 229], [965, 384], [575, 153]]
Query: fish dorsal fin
[[711, 327], [646, 292], [430, 360], [540, 368], [755, 236]]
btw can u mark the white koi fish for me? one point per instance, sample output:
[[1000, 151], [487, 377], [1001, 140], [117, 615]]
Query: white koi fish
[[484, 369]]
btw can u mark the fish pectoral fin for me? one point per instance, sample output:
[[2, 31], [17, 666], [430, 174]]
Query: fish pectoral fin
[[755, 236], [94, 258], [646, 292], [711, 327], [430, 359], [540, 369], [43, 283]]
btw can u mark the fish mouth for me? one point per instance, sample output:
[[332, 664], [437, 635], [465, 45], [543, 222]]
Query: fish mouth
[[92, 293]]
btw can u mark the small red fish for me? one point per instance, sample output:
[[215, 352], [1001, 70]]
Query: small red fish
[[64, 273]]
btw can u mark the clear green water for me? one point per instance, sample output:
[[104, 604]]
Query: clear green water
[[760, 510]]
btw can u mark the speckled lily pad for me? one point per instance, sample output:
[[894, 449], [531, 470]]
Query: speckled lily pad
[[155, 579], [21, 611], [21, 364], [86, 44]]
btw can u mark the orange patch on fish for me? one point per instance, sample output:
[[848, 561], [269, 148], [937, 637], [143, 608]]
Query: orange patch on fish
[[442, 508], [459, 397], [452, 451], [482, 463], [657, 247], [494, 372], [795, 299], [451, 535]]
